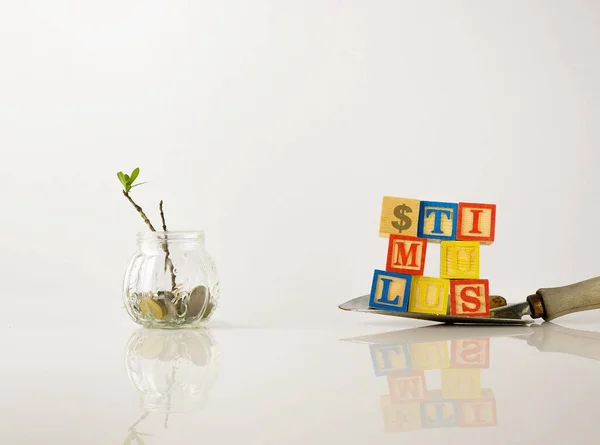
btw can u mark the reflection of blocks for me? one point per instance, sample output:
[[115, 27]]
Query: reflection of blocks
[[437, 220], [471, 353], [480, 412], [399, 215], [470, 298], [390, 291], [390, 359], [459, 259], [461, 383], [429, 295], [432, 355], [437, 412], [476, 222], [406, 254], [407, 387], [398, 418]]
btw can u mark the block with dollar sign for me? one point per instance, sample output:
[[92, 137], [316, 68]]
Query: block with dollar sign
[[399, 216], [406, 254]]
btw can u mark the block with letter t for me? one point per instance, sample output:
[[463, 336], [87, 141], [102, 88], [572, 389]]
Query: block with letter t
[[406, 254], [437, 220]]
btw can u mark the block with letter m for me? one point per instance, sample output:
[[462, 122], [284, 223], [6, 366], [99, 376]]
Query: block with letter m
[[406, 254]]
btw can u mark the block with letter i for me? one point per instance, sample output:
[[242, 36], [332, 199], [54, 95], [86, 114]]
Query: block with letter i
[[479, 412], [470, 298], [406, 254], [459, 260], [390, 291], [476, 222]]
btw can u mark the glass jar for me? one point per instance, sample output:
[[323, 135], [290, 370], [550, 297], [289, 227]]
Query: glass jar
[[171, 281], [172, 370]]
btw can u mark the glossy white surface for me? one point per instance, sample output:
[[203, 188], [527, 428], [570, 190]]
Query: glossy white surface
[[261, 385]]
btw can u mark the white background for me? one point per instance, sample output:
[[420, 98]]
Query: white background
[[276, 127]]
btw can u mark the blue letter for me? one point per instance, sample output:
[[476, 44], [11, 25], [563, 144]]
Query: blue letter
[[437, 223]]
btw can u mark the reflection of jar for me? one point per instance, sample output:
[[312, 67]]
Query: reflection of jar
[[173, 370], [171, 281]]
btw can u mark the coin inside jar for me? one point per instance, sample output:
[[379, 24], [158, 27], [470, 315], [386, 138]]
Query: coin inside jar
[[153, 308], [197, 301]]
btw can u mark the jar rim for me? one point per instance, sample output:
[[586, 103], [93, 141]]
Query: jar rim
[[191, 235]]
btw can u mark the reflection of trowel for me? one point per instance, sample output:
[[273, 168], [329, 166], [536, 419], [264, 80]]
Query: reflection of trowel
[[546, 337], [548, 303]]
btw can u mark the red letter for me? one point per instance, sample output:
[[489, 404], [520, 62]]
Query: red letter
[[404, 255], [476, 213], [474, 300]]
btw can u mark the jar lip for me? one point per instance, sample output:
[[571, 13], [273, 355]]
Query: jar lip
[[191, 235]]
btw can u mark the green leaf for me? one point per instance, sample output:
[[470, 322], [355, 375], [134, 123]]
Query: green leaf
[[127, 178], [134, 174], [139, 183], [121, 177]]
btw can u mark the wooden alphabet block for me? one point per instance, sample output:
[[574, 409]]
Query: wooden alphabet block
[[399, 216], [390, 359], [429, 295], [459, 259], [390, 291], [401, 417], [476, 222], [470, 298], [406, 254], [407, 387], [480, 412], [433, 355], [461, 383], [470, 353], [437, 412], [437, 220]]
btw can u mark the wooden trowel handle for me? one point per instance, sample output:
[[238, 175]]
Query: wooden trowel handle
[[554, 302]]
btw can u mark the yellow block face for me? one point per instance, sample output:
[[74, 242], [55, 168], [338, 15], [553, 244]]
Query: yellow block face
[[429, 295], [459, 259], [461, 383], [432, 355], [400, 417], [399, 215]]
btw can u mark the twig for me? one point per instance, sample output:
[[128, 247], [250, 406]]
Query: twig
[[168, 261], [165, 247], [140, 211]]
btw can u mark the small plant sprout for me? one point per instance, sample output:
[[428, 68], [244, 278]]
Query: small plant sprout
[[128, 182]]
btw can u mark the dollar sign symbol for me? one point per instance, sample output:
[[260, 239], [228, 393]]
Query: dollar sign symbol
[[401, 213]]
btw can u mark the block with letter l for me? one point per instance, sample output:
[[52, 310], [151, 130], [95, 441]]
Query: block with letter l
[[390, 291]]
